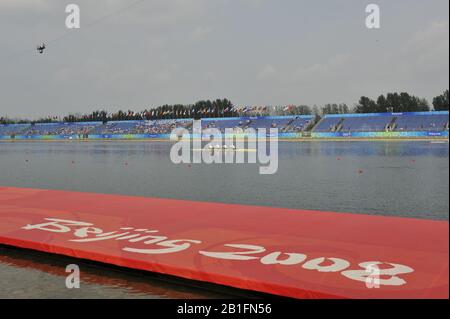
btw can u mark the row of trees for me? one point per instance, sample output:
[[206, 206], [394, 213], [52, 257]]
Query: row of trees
[[401, 102], [440, 102], [392, 102], [306, 110], [217, 108]]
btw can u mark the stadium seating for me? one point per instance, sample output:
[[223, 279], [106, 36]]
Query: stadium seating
[[431, 123], [62, 129], [126, 127], [376, 123], [222, 124], [328, 124], [299, 124], [285, 124], [13, 129], [426, 121], [354, 123], [140, 127]]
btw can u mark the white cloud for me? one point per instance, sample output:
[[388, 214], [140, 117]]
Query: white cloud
[[24, 4], [319, 70], [266, 72], [201, 32], [434, 34], [428, 49]]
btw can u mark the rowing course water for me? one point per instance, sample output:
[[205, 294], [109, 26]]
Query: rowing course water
[[381, 178], [408, 179]]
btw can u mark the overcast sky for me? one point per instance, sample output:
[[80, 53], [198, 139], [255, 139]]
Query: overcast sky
[[255, 52]]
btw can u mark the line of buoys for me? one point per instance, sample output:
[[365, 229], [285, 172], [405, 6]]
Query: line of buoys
[[73, 162]]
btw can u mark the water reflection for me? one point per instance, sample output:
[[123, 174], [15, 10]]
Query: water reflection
[[43, 276], [362, 149]]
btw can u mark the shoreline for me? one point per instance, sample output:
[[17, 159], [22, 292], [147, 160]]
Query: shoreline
[[298, 140]]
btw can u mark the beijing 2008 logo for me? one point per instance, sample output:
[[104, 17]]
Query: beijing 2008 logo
[[145, 241]]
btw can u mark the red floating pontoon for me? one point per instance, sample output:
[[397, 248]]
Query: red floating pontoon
[[293, 253]]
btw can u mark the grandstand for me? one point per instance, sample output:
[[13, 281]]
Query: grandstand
[[125, 127], [298, 124], [426, 122], [384, 122], [222, 124], [329, 125], [355, 122], [140, 127], [58, 129], [285, 124], [13, 129]]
